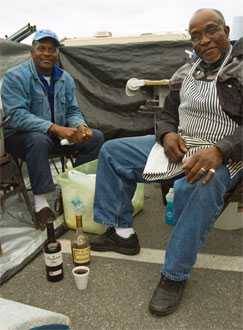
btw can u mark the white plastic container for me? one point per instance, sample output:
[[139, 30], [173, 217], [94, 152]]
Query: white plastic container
[[83, 186], [231, 218], [169, 210]]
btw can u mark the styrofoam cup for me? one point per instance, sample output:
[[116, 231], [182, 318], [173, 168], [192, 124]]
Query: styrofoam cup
[[81, 276]]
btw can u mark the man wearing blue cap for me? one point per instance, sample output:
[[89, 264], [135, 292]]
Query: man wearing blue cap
[[40, 99]]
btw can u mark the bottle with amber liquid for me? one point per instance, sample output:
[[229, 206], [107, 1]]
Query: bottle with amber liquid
[[80, 244], [53, 255]]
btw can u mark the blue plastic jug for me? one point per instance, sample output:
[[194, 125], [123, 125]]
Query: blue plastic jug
[[169, 212]]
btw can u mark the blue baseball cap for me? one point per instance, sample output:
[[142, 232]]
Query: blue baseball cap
[[42, 34]]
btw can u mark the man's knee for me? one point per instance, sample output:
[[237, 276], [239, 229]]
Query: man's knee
[[218, 182], [112, 148], [107, 148], [182, 186], [98, 137]]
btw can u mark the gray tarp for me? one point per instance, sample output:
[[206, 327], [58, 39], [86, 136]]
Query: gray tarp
[[101, 73], [11, 54]]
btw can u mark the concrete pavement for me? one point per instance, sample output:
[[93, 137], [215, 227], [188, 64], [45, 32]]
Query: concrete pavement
[[120, 288]]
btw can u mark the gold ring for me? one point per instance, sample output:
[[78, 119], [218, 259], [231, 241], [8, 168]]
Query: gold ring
[[212, 170]]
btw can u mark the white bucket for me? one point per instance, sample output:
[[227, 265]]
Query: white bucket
[[230, 218], [237, 28]]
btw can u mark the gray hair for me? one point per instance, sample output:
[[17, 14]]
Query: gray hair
[[220, 15]]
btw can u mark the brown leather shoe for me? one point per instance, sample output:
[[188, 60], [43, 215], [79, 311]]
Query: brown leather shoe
[[44, 215], [166, 297]]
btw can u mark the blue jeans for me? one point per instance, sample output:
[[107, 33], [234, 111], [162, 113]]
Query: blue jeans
[[35, 148], [196, 206]]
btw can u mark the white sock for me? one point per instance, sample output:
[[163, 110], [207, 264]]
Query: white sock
[[124, 232], [40, 202]]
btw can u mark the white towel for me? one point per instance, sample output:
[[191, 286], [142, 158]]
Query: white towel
[[157, 162]]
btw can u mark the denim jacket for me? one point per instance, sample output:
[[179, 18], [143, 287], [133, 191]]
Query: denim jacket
[[230, 92], [25, 100]]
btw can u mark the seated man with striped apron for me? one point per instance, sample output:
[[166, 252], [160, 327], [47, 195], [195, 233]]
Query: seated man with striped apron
[[199, 143]]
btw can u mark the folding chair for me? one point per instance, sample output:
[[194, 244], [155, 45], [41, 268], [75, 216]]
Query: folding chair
[[12, 182]]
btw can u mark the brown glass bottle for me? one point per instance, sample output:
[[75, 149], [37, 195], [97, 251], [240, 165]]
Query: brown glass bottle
[[80, 245], [53, 255]]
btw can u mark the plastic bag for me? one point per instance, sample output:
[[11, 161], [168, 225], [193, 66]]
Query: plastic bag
[[80, 182]]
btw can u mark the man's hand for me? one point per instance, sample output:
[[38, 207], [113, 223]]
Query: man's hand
[[174, 147], [75, 135], [86, 132], [202, 165]]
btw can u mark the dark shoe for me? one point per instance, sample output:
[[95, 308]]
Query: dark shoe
[[166, 297], [110, 241], [44, 215]]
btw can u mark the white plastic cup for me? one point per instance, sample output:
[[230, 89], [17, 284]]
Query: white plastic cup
[[81, 276], [65, 142]]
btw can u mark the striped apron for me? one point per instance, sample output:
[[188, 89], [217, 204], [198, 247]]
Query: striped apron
[[202, 122]]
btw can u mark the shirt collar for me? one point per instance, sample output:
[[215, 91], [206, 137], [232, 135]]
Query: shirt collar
[[55, 75]]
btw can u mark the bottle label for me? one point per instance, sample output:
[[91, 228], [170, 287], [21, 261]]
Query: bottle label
[[55, 273], [81, 256], [53, 259]]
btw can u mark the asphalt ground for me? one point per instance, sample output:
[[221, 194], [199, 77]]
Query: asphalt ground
[[120, 287]]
